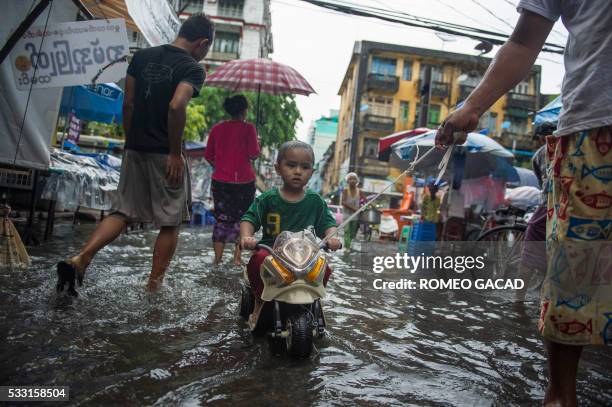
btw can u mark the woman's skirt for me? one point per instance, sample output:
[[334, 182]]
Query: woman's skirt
[[231, 202]]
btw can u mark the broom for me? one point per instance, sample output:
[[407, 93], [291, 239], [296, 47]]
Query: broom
[[12, 251]]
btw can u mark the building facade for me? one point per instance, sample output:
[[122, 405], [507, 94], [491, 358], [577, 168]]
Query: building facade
[[322, 133], [242, 27], [317, 181], [389, 88]]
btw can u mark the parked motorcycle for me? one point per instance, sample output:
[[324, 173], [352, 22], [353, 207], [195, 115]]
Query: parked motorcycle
[[291, 313]]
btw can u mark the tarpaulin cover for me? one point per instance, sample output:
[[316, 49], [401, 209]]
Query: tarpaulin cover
[[103, 103], [88, 180], [549, 113]]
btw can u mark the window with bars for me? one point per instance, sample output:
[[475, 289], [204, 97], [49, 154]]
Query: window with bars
[[383, 66], [407, 70], [370, 148], [380, 106], [434, 115], [194, 6], [226, 42], [231, 8], [404, 111], [433, 118], [437, 73], [522, 88]]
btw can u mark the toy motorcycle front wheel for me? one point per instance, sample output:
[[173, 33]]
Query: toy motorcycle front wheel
[[299, 338]]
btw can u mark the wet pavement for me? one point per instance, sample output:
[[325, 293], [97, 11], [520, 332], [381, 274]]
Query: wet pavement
[[116, 345]]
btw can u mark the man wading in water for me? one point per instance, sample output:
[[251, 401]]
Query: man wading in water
[[577, 292], [154, 184]]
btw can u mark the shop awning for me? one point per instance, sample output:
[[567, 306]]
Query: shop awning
[[384, 144], [110, 9]]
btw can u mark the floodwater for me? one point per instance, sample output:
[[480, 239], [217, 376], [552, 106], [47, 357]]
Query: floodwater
[[186, 346]]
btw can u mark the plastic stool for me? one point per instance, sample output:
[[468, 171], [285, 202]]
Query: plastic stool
[[198, 214]]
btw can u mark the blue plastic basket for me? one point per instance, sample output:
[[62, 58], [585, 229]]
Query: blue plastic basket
[[423, 239]]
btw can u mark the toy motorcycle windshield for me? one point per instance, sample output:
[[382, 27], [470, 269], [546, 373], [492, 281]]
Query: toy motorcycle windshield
[[296, 250]]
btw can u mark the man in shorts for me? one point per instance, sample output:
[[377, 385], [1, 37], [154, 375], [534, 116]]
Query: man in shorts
[[576, 304], [154, 184]]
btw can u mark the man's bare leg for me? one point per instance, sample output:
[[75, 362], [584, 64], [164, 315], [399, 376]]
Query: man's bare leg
[[218, 248], [165, 245], [107, 231], [562, 370]]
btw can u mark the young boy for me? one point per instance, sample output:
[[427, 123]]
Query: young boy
[[289, 207]]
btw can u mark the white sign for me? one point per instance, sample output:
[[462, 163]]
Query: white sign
[[156, 20], [72, 54]]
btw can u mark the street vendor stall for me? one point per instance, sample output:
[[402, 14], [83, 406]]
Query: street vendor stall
[[43, 51], [88, 180], [477, 171]]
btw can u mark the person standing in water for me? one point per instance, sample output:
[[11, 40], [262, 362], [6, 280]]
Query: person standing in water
[[231, 146], [351, 197], [577, 291], [154, 183]]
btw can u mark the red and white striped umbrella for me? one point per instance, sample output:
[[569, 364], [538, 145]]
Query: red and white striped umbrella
[[259, 75]]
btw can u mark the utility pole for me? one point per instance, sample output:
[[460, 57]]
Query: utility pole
[[425, 92]]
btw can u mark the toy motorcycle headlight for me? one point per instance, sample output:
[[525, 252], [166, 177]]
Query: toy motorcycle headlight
[[316, 270], [298, 252], [285, 274]]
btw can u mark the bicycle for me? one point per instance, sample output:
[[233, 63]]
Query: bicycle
[[506, 216], [503, 247]]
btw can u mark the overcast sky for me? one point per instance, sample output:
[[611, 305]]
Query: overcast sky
[[318, 42]]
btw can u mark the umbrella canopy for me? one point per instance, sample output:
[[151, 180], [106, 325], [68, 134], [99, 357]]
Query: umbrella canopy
[[260, 75], [384, 144], [527, 178], [523, 197], [102, 103], [479, 156], [549, 113]]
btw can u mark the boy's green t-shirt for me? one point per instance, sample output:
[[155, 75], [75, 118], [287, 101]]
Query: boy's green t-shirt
[[274, 214]]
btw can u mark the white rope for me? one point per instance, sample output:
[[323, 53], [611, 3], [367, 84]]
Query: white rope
[[444, 163], [410, 168]]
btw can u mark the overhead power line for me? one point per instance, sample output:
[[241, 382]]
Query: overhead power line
[[425, 23]]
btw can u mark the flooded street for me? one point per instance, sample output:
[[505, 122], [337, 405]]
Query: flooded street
[[116, 345]]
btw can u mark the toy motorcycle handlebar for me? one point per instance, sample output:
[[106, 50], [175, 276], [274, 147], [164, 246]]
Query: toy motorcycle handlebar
[[268, 248], [263, 246]]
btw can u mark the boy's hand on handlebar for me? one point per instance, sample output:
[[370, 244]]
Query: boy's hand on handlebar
[[248, 243], [334, 244]]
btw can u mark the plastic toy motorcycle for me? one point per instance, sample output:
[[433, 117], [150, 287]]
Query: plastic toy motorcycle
[[291, 313]]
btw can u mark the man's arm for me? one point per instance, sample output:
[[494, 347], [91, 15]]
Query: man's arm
[[177, 115], [510, 66], [128, 104]]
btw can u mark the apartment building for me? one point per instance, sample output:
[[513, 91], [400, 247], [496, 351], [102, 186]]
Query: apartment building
[[389, 88], [242, 27], [322, 133]]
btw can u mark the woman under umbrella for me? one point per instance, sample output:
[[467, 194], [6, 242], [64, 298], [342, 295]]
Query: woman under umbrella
[[231, 146]]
